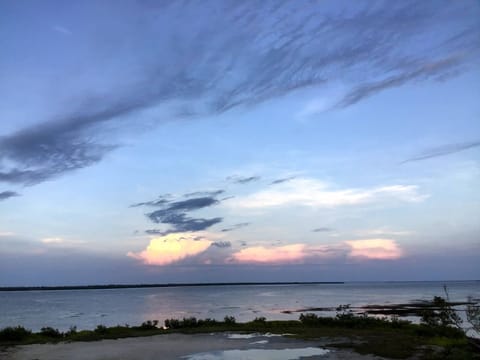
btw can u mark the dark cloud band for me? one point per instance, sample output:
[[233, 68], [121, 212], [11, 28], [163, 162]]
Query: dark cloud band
[[240, 54]]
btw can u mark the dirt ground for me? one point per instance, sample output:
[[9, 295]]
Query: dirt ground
[[178, 346]]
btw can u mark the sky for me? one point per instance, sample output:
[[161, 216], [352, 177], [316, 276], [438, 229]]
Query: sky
[[218, 141]]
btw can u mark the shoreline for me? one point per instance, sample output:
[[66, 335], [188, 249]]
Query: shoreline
[[349, 335], [166, 285]]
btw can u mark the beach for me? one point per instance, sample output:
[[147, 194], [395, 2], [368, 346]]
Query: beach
[[180, 346]]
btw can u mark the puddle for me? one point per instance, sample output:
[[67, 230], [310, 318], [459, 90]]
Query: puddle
[[258, 354]]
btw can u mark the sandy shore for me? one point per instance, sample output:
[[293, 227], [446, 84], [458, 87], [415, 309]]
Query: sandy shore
[[178, 346]]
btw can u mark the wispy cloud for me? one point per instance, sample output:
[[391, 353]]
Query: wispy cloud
[[274, 255], [243, 179], [240, 55], [160, 201], [443, 150], [314, 193], [4, 195], [235, 227], [48, 150], [383, 232], [205, 193], [62, 30], [282, 180], [53, 240], [221, 244], [379, 249], [437, 69], [322, 229]]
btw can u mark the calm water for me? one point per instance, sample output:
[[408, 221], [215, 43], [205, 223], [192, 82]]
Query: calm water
[[88, 308]]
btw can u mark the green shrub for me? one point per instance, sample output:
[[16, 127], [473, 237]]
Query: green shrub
[[308, 319], [473, 314], [441, 314], [172, 323], [101, 329], [229, 320], [18, 333], [149, 325], [189, 322], [206, 322], [397, 323], [71, 331], [344, 312], [435, 331], [50, 332], [260, 320]]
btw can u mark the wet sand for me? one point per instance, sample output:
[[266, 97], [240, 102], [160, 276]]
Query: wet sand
[[170, 346]]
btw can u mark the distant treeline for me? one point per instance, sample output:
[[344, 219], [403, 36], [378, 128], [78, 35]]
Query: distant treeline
[[135, 286]]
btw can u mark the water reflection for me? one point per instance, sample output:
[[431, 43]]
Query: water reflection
[[259, 354]]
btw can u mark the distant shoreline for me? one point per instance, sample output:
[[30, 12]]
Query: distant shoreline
[[139, 286]]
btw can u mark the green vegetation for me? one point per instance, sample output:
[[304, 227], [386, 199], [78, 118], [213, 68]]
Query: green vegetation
[[14, 334], [437, 337], [473, 315]]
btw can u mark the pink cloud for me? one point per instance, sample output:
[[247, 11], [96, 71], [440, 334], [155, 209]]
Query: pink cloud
[[381, 249], [271, 255]]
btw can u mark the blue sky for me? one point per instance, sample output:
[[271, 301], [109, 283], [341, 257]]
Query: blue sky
[[146, 141]]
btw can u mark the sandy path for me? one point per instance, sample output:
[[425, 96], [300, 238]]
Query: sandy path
[[165, 347]]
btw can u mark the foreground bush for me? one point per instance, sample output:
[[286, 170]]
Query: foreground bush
[[149, 325], [18, 333], [51, 332]]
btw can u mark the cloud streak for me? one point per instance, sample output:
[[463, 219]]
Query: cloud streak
[[216, 56], [282, 180], [243, 179], [443, 150], [221, 244], [322, 229], [435, 70], [311, 192], [4, 195], [235, 227]]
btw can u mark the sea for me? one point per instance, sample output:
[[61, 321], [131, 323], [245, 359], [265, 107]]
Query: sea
[[85, 309]]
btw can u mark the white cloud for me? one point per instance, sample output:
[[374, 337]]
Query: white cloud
[[6, 233], [62, 30], [383, 231], [314, 193], [53, 240], [313, 107]]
